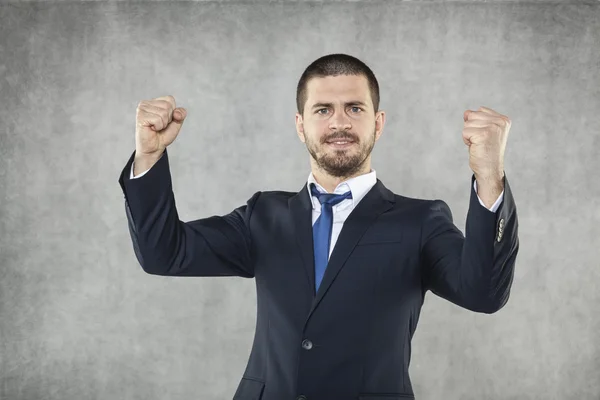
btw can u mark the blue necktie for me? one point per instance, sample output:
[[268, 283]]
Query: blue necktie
[[322, 230]]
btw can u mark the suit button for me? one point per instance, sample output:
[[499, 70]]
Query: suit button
[[307, 345], [301, 397]]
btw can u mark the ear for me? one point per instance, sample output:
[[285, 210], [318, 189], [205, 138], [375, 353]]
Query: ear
[[300, 127], [379, 122]]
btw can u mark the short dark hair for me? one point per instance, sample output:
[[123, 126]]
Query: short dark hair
[[334, 65]]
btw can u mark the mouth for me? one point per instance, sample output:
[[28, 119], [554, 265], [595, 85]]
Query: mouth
[[340, 144]]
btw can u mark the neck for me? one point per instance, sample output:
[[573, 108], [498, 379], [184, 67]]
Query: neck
[[330, 182]]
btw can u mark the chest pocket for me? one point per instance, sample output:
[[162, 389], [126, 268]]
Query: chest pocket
[[380, 236]]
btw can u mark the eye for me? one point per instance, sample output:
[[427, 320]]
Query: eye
[[319, 111]]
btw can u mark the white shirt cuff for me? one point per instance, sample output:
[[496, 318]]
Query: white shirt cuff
[[143, 173], [495, 206]]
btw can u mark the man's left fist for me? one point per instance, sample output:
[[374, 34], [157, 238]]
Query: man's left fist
[[486, 133]]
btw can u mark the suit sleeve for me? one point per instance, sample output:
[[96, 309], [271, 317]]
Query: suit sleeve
[[496, 204], [165, 245], [145, 172], [474, 271]]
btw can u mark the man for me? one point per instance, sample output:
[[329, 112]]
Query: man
[[341, 266]]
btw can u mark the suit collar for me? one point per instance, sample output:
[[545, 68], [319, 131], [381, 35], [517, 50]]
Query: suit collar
[[303, 200], [358, 185]]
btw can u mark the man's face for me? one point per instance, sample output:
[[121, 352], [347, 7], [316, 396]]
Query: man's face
[[339, 126]]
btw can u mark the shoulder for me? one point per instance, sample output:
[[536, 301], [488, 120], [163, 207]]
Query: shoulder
[[420, 207], [270, 198], [276, 195]]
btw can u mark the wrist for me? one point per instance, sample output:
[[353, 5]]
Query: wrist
[[144, 161], [490, 178]]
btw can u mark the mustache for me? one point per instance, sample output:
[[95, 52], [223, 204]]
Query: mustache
[[340, 136]]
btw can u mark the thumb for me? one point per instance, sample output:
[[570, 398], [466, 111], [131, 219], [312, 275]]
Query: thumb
[[179, 114], [172, 130]]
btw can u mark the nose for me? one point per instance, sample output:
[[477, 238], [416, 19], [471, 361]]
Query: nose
[[340, 122]]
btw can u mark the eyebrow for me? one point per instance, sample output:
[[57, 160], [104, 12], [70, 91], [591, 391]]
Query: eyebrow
[[350, 103]]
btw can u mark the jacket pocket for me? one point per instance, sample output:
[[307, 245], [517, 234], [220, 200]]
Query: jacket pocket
[[385, 396], [249, 389], [380, 238]]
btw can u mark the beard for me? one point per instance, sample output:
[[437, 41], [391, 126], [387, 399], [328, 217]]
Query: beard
[[340, 162]]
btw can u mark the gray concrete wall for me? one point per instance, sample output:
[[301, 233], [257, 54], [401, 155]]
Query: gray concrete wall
[[79, 319]]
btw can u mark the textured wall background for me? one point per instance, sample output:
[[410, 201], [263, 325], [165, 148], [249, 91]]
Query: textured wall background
[[79, 319]]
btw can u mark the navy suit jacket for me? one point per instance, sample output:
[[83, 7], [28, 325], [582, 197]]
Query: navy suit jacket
[[352, 339]]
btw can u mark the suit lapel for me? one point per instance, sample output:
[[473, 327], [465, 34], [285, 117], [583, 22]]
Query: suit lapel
[[378, 200], [301, 208]]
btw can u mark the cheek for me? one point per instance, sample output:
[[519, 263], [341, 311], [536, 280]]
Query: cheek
[[312, 137]]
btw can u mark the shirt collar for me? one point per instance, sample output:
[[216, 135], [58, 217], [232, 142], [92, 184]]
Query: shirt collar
[[359, 186]]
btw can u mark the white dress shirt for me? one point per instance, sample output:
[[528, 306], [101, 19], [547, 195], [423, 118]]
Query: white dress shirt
[[359, 186]]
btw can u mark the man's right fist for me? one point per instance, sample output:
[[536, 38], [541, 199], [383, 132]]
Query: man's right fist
[[157, 125]]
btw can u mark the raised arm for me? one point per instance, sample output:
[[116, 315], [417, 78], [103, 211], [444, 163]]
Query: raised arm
[[165, 245], [473, 271]]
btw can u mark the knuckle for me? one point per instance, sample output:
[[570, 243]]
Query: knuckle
[[167, 101], [165, 104]]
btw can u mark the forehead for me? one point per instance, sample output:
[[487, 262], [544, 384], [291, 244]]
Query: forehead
[[343, 86]]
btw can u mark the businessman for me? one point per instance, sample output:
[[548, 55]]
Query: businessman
[[341, 266]]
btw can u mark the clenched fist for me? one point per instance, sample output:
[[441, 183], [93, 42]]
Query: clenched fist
[[157, 125], [486, 133]]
